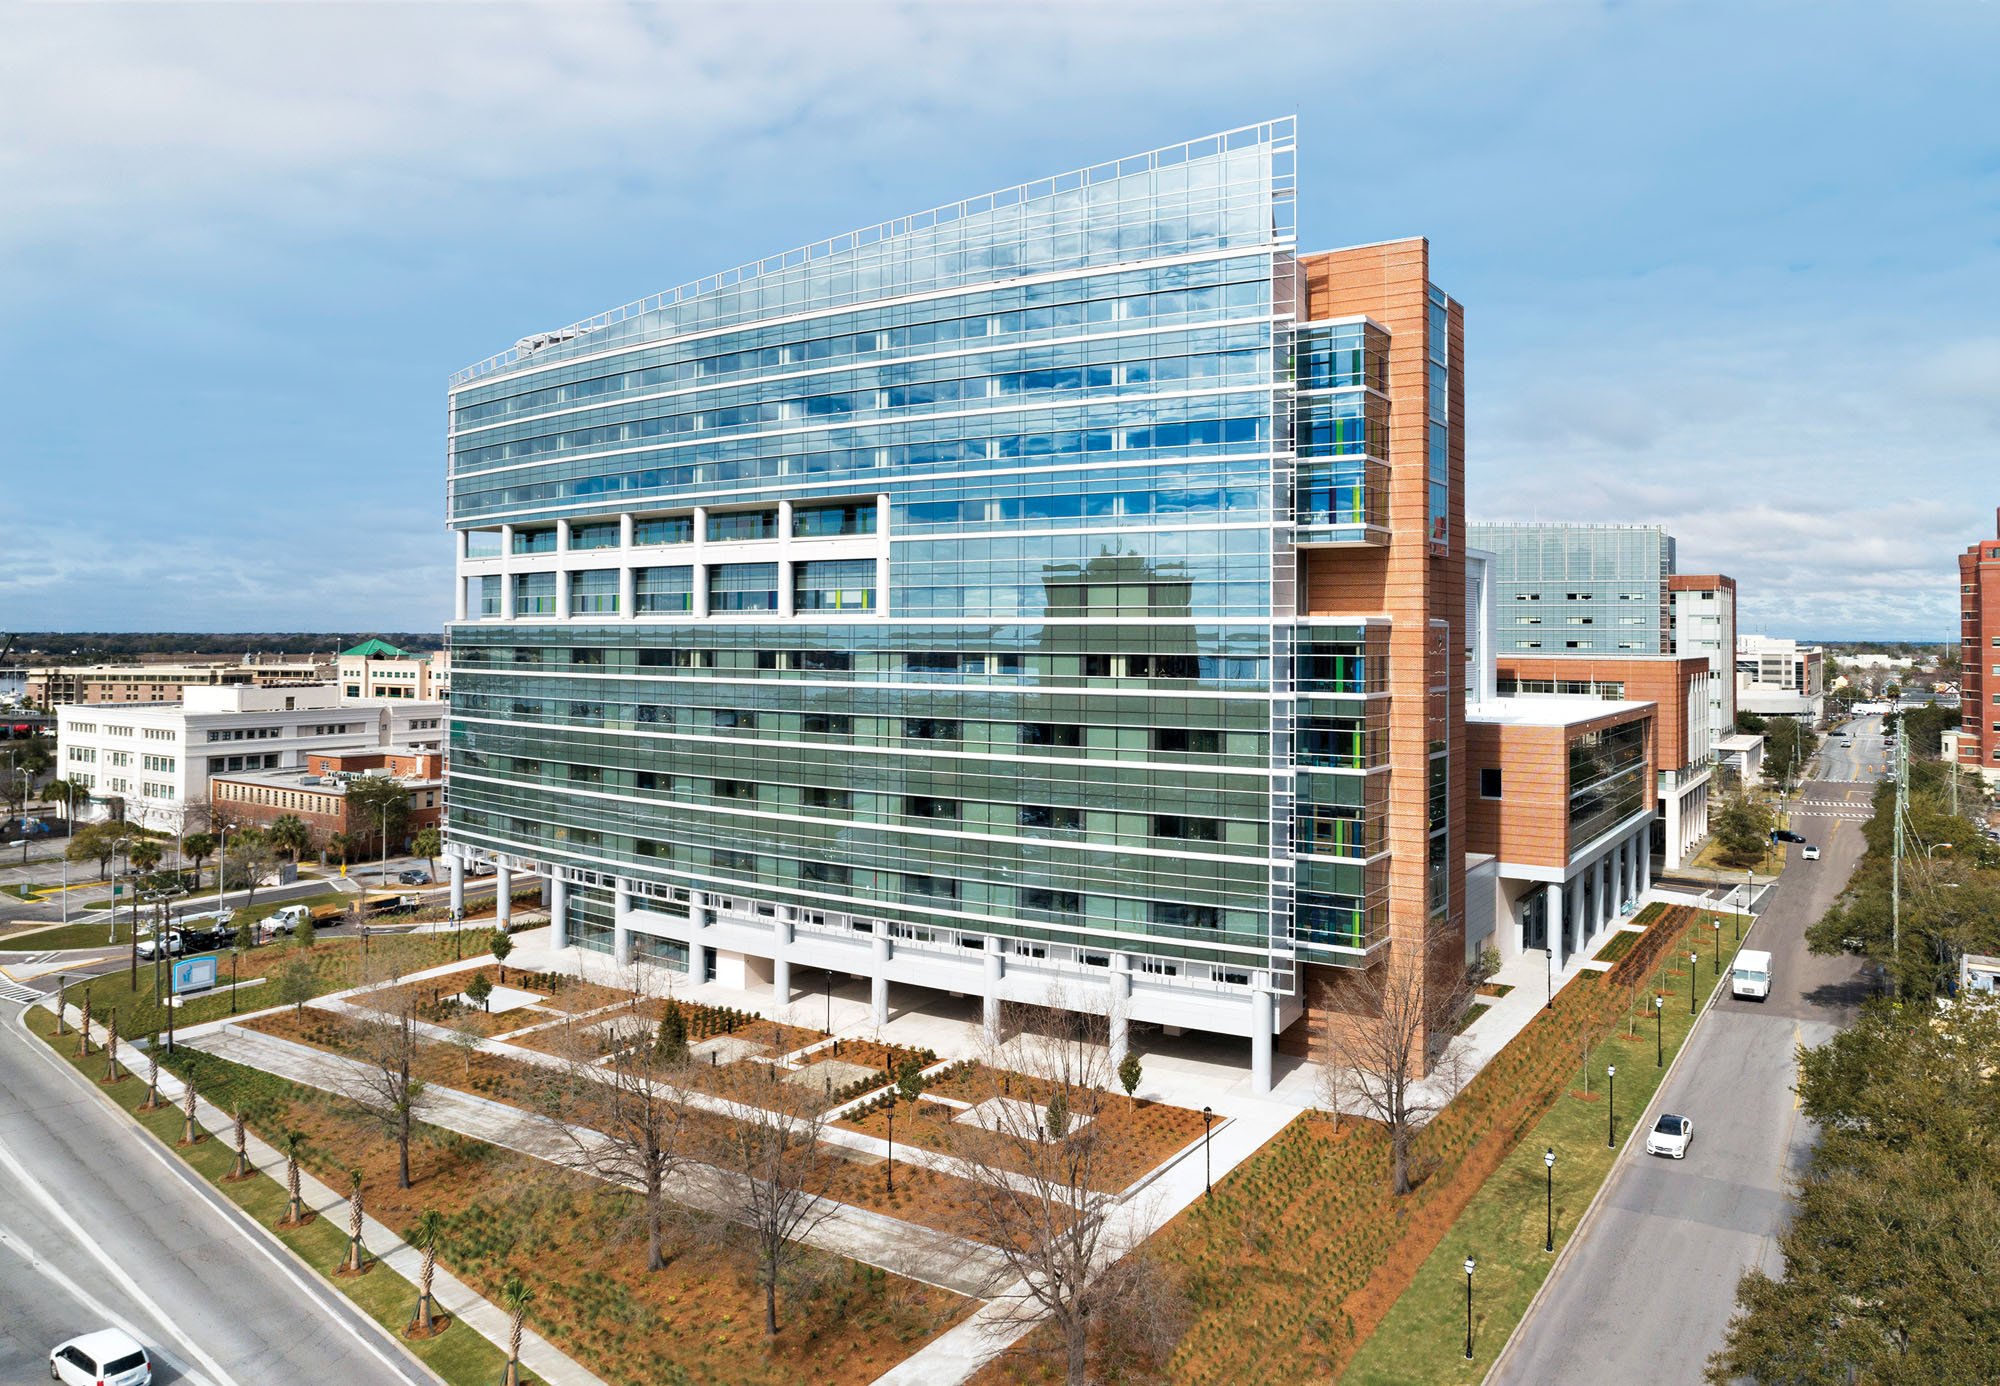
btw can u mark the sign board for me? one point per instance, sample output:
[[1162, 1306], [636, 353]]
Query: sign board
[[117, 890], [194, 974]]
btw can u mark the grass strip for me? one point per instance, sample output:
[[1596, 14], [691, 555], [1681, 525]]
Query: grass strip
[[1422, 1339], [459, 1355]]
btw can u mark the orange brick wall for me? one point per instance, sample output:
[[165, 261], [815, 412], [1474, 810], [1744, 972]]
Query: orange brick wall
[[1671, 683]]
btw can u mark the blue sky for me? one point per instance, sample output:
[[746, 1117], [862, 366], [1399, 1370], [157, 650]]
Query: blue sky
[[1730, 268]]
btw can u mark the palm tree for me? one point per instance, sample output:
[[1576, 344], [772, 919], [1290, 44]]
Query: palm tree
[[71, 794], [428, 844], [198, 848], [289, 834], [144, 857], [292, 1145], [342, 847], [515, 1297], [425, 1237]]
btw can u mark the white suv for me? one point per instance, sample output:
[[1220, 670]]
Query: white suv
[[108, 1357]]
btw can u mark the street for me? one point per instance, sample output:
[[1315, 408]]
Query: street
[[102, 1227], [1647, 1291]]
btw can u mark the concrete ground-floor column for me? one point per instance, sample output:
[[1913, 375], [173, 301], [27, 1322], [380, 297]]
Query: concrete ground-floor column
[[996, 968], [456, 865], [621, 931], [1554, 935], [558, 892], [1674, 845], [1645, 868], [503, 896], [878, 984], [1121, 1006], [781, 964], [1261, 1015]]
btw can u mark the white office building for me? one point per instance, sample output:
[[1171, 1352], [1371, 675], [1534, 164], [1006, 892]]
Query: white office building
[[154, 758]]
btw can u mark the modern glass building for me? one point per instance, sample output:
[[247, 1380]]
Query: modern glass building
[[925, 605], [1565, 589]]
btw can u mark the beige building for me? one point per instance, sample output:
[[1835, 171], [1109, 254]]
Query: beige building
[[377, 669], [162, 682]]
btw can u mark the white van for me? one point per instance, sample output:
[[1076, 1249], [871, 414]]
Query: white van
[[1752, 974]]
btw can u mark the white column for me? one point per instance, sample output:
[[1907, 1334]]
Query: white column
[[456, 865], [878, 984], [628, 605], [506, 594], [700, 561], [558, 913], [1676, 844], [781, 964], [621, 928], [625, 530], [996, 967], [1553, 938], [562, 594], [882, 555], [698, 913], [1645, 866], [785, 595], [1261, 1014], [503, 896], [1121, 1007], [562, 536], [460, 603]]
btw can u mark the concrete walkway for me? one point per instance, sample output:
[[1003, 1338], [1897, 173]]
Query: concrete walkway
[[453, 1295], [876, 1239]]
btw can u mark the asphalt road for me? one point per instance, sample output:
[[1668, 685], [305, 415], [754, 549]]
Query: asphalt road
[[99, 1226], [1646, 1293]]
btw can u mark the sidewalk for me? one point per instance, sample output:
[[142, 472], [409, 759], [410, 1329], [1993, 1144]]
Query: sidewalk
[[876, 1239], [453, 1295]]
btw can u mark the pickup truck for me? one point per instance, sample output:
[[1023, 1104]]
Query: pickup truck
[[176, 944], [287, 918]]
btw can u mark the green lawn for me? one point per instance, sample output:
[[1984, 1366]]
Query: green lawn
[[336, 960], [1422, 1341], [459, 1355], [60, 937]]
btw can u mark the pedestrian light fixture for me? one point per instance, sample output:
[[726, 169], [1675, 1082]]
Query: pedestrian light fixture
[[1659, 1030], [1694, 963], [1207, 1181], [1470, 1266], [1549, 1163], [1717, 923], [1611, 1106]]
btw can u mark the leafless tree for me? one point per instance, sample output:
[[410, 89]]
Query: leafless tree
[[1034, 1164], [785, 1167], [1382, 1026], [628, 1120], [383, 1039]]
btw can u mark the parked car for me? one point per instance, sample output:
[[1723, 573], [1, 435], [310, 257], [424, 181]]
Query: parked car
[[1670, 1136], [108, 1357], [1785, 835], [415, 876], [1811, 852]]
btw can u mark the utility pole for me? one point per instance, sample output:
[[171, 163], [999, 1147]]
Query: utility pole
[[1896, 861]]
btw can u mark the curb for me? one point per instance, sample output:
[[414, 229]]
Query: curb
[[1590, 1210], [236, 1217]]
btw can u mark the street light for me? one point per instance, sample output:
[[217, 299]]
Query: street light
[[1611, 1107], [1659, 1030], [1694, 965], [1716, 923], [829, 1001], [1549, 976], [1549, 1162], [1470, 1266], [892, 1144], [1207, 1183]]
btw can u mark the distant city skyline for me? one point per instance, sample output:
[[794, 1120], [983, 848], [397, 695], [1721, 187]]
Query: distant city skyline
[[246, 246]]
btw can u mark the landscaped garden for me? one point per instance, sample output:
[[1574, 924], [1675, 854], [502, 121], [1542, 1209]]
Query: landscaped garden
[[572, 1239]]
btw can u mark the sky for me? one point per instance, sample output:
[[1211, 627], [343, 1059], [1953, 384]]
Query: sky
[[1730, 268]]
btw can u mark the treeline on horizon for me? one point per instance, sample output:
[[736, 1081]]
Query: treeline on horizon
[[65, 646]]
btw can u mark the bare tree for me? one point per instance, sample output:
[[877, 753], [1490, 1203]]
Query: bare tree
[[1032, 1154], [1382, 1025], [784, 1169], [382, 1085]]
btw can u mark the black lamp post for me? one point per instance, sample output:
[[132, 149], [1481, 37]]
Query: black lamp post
[[1549, 976], [829, 1002], [892, 1145], [1549, 1163], [1694, 964], [1717, 922], [1470, 1266], [1207, 1182], [1611, 1107], [1659, 1031]]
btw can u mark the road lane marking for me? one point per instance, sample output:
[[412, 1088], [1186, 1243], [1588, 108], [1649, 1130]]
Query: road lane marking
[[26, 1180], [18, 1244], [327, 1299]]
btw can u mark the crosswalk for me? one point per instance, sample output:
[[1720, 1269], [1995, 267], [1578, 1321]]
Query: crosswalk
[[1858, 815], [10, 992]]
